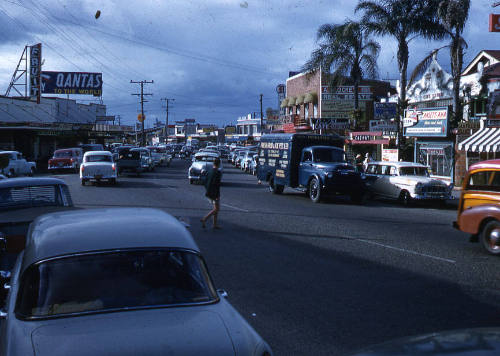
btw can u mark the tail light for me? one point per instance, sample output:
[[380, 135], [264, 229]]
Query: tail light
[[113, 167], [83, 168]]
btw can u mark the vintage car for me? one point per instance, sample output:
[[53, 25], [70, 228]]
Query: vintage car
[[479, 206], [66, 159], [405, 181], [98, 166], [21, 201], [17, 166], [246, 160], [87, 147], [155, 155], [123, 281], [202, 163], [165, 156]]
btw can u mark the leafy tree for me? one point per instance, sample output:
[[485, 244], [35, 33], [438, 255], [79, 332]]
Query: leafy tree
[[346, 52], [404, 20]]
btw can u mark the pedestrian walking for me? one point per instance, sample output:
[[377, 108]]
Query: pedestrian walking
[[212, 186], [359, 163], [367, 160]]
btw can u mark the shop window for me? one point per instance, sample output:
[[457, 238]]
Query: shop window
[[315, 110], [298, 110], [306, 111]]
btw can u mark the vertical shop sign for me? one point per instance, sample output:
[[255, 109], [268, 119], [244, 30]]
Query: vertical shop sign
[[35, 70]]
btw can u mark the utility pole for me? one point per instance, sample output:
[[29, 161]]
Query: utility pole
[[142, 82], [261, 115], [167, 100]]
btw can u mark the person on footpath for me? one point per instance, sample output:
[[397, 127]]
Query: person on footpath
[[212, 186]]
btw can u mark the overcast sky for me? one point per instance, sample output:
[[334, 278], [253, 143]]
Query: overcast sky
[[214, 57]]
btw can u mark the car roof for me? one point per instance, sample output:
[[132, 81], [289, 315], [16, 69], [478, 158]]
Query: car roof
[[90, 153], [69, 149], [9, 151], [398, 164], [327, 147], [489, 164], [29, 182], [86, 230], [206, 153]]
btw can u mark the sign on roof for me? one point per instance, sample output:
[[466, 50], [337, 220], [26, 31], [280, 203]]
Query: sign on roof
[[428, 122], [72, 83]]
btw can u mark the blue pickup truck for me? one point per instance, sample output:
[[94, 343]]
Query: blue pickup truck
[[313, 163]]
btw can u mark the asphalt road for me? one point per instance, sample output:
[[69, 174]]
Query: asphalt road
[[329, 278]]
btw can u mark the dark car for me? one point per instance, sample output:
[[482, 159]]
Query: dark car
[[91, 147], [133, 159], [315, 164]]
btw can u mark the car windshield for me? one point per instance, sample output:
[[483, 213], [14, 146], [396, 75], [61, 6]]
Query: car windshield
[[115, 280], [98, 158], [129, 154], [413, 171], [205, 158], [62, 154], [328, 155], [34, 196]]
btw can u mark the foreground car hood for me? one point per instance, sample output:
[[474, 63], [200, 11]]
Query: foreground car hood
[[191, 331]]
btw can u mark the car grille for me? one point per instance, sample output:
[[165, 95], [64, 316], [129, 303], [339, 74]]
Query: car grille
[[436, 189], [92, 171]]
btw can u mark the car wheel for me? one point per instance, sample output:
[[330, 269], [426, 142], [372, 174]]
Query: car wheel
[[12, 173], [32, 172], [275, 188], [490, 237], [83, 181], [191, 181], [113, 181], [315, 190], [405, 198]]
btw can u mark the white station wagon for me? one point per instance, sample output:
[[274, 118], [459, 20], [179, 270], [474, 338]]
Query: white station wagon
[[98, 166], [405, 181]]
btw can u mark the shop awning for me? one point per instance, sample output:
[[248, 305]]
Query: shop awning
[[311, 97], [284, 103], [291, 101], [485, 140], [300, 100]]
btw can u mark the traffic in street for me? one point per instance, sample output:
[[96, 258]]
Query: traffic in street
[[327, 278]]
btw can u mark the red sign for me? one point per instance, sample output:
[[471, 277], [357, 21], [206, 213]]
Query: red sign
[[289, 128], [368, 138], [494, 22]]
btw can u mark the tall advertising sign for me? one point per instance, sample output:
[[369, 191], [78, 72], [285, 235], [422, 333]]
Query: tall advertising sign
[[35, 70], [494, 23], [338, 102]]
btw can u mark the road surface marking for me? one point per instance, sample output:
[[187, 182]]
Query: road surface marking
[[407, 251], [235, 208]]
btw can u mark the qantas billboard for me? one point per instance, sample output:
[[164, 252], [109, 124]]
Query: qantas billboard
[[72, 83]]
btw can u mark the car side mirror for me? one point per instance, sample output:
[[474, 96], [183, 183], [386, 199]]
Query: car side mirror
[[222, 293]]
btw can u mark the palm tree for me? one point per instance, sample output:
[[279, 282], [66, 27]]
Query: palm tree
[[345, 51], [453, 15], [404, 20]]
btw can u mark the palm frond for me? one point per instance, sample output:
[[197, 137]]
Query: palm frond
[[421, 67]]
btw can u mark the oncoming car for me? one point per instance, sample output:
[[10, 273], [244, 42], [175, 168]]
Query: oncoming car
[[124, 281], [98, 166], [202, 163]]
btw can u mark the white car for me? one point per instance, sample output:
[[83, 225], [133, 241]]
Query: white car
[[405, 181], [98, 166], [17, 165], [202, 163]]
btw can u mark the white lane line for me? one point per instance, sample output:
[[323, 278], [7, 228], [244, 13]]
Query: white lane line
[[235, 208], [407, 251]]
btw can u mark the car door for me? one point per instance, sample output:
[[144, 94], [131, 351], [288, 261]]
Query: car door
[[305, 168], [380, 184], [395, 191]]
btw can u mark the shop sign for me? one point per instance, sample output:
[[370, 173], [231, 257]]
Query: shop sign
[[332, 124], [428, 122], [494, 23], [230, 130], [384, 110], [368, 138], [72, 83], [390, 154], [383, 125], [345, 93], [35, 70]]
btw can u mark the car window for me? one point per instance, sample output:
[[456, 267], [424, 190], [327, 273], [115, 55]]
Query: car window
[[34, 196], [484, 180], [393, 171], [205, 158], [414, 171], [146, 278], [328, 155], [63, 154], [307, 156], [98, 158], [371, 169], [378, 170]]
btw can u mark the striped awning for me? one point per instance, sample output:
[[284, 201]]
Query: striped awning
[[485, 140]]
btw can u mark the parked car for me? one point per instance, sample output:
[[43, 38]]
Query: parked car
[[66, 159], [116, 282], [98, 166], [165, 156], [18, 165], [479, 206], [406, 182], [186, 151], [312, 163], [246, 160], [86, 147], [21, 201], [155, 155], [202, 163], [253, 164]]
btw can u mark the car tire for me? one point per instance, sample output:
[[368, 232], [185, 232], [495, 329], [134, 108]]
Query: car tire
[[405, 198], [314, 190], [84, 181], [32, 172], [490, 237], [113, 181], [11, 173], [275, 188], [191, 181]]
